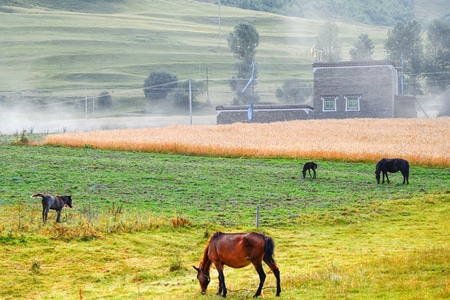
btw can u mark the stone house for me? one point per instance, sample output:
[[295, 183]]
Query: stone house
[[359, 90], [341, 90]]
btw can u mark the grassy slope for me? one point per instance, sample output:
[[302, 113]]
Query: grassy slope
[[65, 52], [340, 236], [428, 10]]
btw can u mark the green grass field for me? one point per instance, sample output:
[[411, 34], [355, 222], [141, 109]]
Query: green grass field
[[140, 222]]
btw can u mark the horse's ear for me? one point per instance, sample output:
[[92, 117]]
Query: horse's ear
[[196, 269]]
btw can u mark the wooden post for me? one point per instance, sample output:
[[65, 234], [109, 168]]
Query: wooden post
[[257, 217]]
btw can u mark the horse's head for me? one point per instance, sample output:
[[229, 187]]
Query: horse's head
[[67, 200], [377, 173], [203, 279]]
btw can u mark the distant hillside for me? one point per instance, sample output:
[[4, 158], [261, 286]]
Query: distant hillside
[[63, 52], [93, 6], [372, 12], [69, 46], [427, 10]]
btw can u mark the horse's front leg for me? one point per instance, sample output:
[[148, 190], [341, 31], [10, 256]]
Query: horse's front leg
[[385, 174], [44, 215], [222, 288], [58, 215], [262, 278]]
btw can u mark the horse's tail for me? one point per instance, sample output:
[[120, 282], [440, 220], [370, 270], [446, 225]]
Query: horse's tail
[[406, 169], [38, 195], [269, 249]]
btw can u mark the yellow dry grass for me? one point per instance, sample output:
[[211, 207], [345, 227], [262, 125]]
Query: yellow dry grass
[[421, 141]]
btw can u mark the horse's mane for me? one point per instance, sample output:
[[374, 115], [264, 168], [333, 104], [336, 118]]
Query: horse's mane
[[205, 263]]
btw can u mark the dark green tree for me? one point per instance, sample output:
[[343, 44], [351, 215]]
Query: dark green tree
[[180, 96], [328, 42], [363, 48], [294, 91], [159, 84], [404, 47], [104, 100], [437, 62], [243, 43]]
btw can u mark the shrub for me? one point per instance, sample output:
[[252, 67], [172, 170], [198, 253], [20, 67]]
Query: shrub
[[104, 100]]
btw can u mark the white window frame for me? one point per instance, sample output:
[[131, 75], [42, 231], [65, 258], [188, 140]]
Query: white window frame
[[352, 98], [329, 98]]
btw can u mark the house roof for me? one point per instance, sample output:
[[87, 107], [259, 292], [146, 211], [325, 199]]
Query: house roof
[[353, 64]]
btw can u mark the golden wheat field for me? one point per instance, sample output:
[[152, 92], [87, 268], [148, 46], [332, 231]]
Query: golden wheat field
[[421, 141]]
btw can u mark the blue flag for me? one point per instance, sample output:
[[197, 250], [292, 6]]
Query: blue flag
[[250, 112]]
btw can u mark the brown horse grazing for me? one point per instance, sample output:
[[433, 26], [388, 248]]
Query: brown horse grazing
[[237, 250], [392, 165]]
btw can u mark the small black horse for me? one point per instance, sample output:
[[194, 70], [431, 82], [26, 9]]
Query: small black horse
[[392, 165], [53, 202], [308, 167]]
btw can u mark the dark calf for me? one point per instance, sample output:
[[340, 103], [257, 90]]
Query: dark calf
[[53, 202]]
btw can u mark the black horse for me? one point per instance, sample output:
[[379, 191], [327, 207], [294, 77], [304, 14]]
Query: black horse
[[53, 202], [392, 165], [308, 167]]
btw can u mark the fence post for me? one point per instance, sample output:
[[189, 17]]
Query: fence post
[[190, 102], [257, 217]]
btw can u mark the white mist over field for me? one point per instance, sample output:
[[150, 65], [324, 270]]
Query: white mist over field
[[12, 122]]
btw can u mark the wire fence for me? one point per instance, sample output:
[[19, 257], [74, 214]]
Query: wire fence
[[33, 109], [204, 93]]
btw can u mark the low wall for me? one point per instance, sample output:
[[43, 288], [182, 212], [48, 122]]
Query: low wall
[[262, 113]]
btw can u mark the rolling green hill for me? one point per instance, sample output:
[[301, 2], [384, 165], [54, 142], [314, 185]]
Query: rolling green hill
[[66, 51]]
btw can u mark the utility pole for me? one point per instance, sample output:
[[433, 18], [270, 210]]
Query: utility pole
[[85, 104], [219, 23], [403, 75], [190, 101], [207, 88]]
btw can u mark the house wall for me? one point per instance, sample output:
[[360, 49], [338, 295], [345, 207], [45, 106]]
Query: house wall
[[375, 82]]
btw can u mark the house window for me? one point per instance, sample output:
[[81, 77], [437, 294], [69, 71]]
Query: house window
[[329, 103], [352, 102]]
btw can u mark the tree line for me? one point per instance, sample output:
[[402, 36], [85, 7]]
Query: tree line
[[373, 12], [422, 53]]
